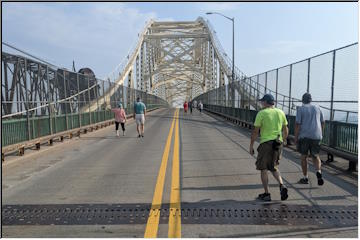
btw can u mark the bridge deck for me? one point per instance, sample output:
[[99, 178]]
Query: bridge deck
[[100, 171]]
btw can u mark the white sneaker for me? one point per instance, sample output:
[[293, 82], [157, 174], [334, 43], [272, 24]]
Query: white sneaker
[[117, 133], [123, 133]]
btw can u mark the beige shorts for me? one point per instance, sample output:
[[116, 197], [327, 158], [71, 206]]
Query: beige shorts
[[268, 158], [140, 119]]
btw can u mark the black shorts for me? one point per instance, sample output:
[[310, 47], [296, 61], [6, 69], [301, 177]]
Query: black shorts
[[306, 145]]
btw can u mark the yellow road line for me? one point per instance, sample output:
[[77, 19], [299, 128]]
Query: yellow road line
[[175, 208], [154, 216]]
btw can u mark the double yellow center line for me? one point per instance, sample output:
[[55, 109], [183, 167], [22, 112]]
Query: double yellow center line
[[152, 225]]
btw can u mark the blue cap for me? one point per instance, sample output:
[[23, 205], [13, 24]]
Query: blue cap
[[119, 105], [268, 98]]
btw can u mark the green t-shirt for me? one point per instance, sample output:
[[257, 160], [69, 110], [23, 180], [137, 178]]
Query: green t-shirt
[[270, 122]]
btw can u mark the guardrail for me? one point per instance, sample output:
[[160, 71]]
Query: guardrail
[[339, 138], [16, 129]]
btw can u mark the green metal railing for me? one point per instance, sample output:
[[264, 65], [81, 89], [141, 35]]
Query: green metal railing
[[16, 130], [338, 135]]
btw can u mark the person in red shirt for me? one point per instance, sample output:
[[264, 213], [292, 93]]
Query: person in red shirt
[[185, 106], [120, 117]]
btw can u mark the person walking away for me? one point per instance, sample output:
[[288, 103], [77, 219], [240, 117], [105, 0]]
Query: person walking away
[[309, 126], [272, 124], [139, 116], [201, 106], [120, 118], [185, 106], [195, 106], [191, 107]]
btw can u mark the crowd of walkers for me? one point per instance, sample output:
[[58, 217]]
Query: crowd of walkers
[[272, 125], [193, 105]]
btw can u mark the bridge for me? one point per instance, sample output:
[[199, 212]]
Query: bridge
[[67, 174]]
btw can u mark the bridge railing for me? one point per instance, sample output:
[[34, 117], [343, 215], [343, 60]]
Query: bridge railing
[[38, 100], [331, 78], [339, 138]]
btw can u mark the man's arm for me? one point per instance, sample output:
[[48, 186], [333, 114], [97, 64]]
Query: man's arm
[[297, 130], [285, 132], [254, 135]]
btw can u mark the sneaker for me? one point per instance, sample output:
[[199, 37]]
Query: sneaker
[[142, 135], [123, 133], [283, 192], [319, 177], [264, 197], [303, 180]]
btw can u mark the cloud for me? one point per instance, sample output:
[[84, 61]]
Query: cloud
[[98, 34]]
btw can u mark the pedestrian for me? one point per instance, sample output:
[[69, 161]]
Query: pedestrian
[[272, 124], [191, 107], [120, 118], [139, 116], [201, 106], [195, 106], [185, 106], [309, 125]]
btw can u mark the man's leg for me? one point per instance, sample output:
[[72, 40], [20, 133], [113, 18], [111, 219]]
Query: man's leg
[[265, 180], [304, 165], [277, 176], [142, 129], [317, 164], [138, 128], [283, 189]]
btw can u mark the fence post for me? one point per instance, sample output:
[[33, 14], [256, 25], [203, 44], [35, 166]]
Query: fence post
[[276, 87], [97, 100], [103, 83], [265, 82], [257, 90], [290, 89], [88, 90], [332, 88], [308, 77], [79, 99], [66, 116]]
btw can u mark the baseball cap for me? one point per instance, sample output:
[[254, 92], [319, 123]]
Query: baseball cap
[[268, 98]]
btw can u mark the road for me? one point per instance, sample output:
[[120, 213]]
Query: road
[[100, 185]]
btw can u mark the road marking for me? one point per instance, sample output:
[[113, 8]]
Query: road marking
[[154, 215], [175, 208]]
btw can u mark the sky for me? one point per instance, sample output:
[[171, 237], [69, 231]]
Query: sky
[[99, 35]]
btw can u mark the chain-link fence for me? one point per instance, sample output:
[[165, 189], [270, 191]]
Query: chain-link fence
[[331, 78], [39, 100]]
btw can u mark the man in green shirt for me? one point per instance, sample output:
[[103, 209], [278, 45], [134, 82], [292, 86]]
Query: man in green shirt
[[272, 124]]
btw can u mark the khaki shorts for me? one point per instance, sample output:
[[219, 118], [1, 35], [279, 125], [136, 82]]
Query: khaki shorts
[[268, 159], [140, 119]]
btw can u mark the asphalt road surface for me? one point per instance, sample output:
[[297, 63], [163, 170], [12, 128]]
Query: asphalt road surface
[[190, 176]]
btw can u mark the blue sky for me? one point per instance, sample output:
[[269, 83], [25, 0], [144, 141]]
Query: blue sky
[[99, 35]]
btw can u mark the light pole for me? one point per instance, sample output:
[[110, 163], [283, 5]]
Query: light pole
[[233, 51]]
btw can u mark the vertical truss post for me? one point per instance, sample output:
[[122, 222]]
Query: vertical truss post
[[27, 99], [49, 99]]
